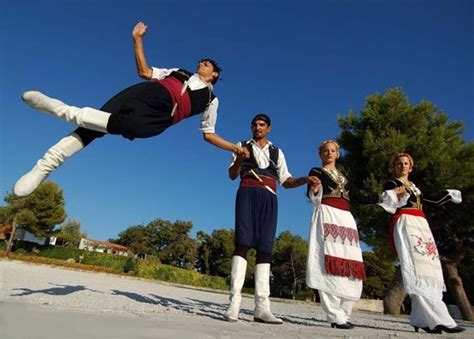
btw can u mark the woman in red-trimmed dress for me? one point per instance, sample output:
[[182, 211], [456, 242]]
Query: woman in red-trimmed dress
[[335, 266], [414, 243]]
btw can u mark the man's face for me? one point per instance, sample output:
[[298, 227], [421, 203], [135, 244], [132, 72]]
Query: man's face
[[260, 129], [206, 70]]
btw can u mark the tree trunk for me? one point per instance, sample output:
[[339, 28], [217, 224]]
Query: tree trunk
[[12, 236], [395, 295], [457, 289]]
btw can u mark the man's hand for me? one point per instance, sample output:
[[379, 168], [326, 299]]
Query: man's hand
[[313, 180], [139, 30], [242, 153]]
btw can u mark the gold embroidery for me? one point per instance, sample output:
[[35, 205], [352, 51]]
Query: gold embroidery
[[413, 191], [340, 180]]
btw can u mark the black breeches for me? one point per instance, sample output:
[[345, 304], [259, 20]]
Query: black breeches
[[140, 111], [262, 257]]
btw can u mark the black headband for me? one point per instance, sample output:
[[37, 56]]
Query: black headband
[[262, 117]]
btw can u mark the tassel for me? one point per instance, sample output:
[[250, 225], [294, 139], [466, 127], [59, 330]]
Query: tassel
[[344, 267]]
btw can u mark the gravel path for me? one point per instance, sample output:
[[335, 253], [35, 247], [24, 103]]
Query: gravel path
[[113, 306]]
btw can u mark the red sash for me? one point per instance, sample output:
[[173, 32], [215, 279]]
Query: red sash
[[254, 182], [174, 87], [400, 211], [339, 203]]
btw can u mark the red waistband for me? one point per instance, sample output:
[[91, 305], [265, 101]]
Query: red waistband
[[254, 182], [174, 87], [340, 203], [398, 214], [411, 211]]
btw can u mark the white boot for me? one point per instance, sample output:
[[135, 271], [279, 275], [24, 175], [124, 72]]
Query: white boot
[[52, 159], [86, 117], [239, 267], [262, 311]]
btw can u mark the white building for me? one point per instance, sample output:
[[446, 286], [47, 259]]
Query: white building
[[102, 247]]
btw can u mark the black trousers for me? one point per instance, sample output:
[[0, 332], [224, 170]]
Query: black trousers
[[140, 111]]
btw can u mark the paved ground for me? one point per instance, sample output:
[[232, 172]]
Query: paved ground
[[39, 301]]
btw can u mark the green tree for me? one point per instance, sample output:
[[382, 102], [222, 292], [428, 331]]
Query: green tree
[[202, 261], [4, 215], [221, 248], [387, 124], [37, 213], [172, 242], [138, 239], [69, 234], [215, 253], [289, 264]]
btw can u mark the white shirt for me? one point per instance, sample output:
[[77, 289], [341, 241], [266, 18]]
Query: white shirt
[[209, 116], [262, 156]]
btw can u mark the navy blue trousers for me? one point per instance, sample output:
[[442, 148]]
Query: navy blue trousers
[[256, 211]]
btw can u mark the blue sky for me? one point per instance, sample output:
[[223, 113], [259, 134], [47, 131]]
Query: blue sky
[[303, 63]]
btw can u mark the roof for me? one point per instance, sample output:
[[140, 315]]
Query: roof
[[5, 229], [107, 244]]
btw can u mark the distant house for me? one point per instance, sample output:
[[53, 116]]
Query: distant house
[[102, 247]]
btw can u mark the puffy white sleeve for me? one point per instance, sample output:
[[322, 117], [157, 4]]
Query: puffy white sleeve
[[390, 201], [209, 117], [282, 168], [316, 198], [161, 73]]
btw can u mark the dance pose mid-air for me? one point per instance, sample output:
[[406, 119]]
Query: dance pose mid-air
[[140, 111]]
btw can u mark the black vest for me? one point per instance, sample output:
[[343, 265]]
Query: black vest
[[200, 98], [251, 162]]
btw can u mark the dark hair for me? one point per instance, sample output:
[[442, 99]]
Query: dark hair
[[216, 67], [262, 117]]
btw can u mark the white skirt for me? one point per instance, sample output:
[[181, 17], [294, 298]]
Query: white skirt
[[421, 270], [316, 276]]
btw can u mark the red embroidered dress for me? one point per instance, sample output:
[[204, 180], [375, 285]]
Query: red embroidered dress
[[335, 262]]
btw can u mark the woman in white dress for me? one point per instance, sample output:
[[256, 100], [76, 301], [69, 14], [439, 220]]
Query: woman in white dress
[[335, 266], [413, 241]]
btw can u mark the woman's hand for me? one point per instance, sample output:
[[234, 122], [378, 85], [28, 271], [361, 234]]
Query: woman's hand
[[400, 191], [315, 188]]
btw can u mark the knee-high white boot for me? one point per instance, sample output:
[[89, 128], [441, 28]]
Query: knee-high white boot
[[52, 159], [262, 311], [239, 267], [86, 117]]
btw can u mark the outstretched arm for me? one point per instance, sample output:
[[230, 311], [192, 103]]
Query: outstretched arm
[[217, 141], [144, 71], [312, 181]]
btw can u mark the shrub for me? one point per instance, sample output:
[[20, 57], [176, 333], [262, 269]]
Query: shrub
[[131, 265], [116, 263], [155, 270], [104, 262], [21, 251]]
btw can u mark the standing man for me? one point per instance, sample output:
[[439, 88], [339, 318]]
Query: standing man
[[256, 215], [140, 111]]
